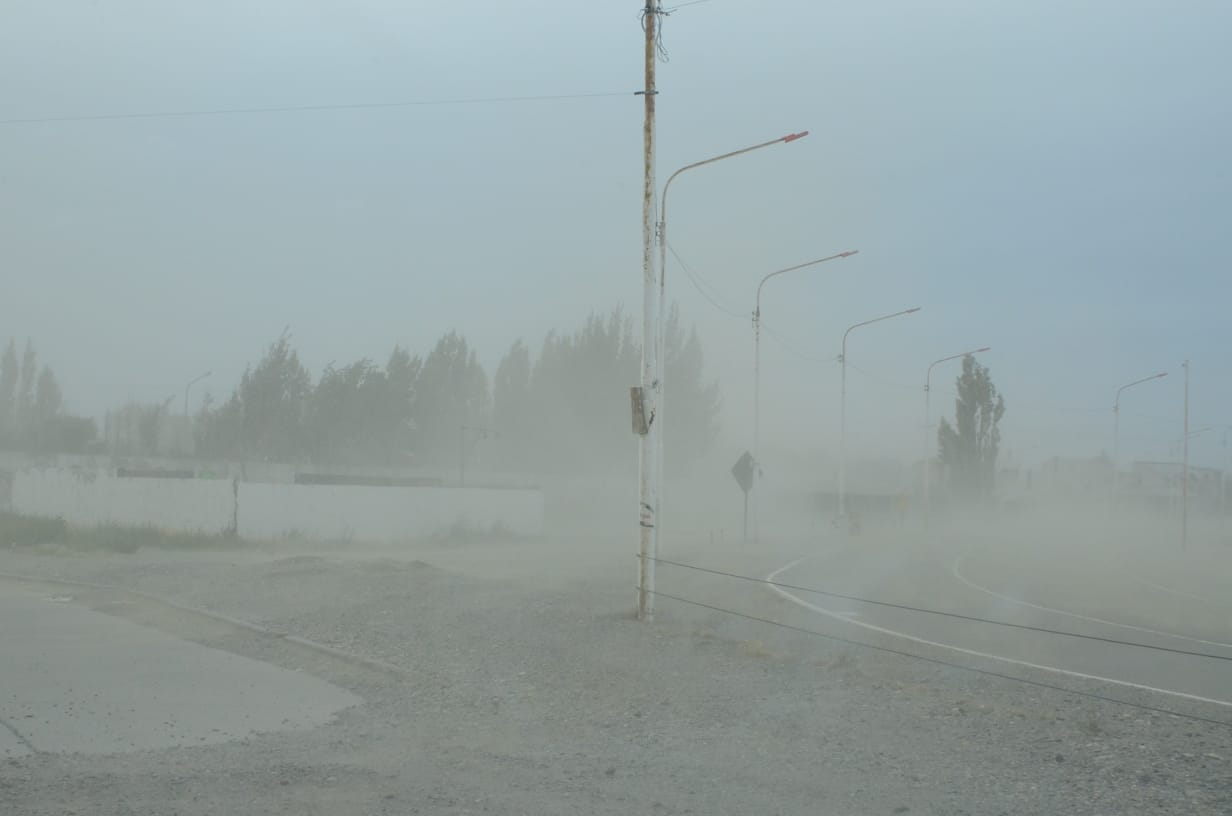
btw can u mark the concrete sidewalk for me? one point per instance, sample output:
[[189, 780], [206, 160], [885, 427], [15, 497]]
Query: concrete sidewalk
[[73, 680]]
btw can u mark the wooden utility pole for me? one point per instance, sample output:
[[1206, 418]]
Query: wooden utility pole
[[648, 476]]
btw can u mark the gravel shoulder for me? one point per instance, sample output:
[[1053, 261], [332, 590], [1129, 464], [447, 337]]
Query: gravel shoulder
[[527, 689]]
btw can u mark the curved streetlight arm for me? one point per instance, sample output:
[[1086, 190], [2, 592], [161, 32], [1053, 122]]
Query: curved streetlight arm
[[1116, 407], [846, 254], [843, 354], [928, 376], [190, 385], [791, 137]]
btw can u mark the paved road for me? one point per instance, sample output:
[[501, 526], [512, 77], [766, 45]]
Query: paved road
[[73, 680], [1048, 587]]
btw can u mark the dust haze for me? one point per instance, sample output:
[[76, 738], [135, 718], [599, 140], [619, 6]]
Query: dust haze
[[329, 465]]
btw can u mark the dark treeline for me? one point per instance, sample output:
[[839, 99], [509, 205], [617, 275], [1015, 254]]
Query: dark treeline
[[31, 408], [563, 410]]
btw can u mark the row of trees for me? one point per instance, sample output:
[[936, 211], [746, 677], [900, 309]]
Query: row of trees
[[564, 409], [569, 408], [31, 407]]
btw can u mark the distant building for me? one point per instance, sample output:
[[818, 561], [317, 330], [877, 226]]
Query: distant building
[[1158, 485], [1077, 479]]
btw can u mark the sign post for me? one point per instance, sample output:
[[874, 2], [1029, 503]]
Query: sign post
[[743, 471]]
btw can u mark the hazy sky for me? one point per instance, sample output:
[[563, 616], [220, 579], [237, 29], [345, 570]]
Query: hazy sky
[[1049, 178]]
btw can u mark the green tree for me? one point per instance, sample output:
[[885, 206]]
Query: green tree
[[218, 431], [264, 418], [273, 395], [24, 407], [336, 413], [968, 448], [401, 380], [8, 391], [359, 414], [45, 411], [47, 396], [451, 391], [581, 399], [513, 412]]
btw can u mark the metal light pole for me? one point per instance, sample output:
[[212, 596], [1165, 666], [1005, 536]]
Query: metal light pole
[[190, 385], [1116, 426], [184, 443], [481, 433], [928, 377], [842, 358], [661, 230], [757, 367], [1185, 467], [1223, 474]]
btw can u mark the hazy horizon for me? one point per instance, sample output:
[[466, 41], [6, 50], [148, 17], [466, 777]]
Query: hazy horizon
[[1046, 179]]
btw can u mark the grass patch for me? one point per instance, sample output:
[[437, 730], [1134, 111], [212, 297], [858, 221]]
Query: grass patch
[[31, 531], [21, 531]]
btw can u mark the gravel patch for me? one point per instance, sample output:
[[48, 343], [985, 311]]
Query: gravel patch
[[520, 699]]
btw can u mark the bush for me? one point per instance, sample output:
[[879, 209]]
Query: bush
[[17, 530]]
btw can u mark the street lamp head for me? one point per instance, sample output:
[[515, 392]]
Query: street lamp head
[[912, 310], [982, 350], [849, 253], [791, 137]]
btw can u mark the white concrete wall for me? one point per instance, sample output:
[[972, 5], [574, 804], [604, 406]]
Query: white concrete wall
[[356, 513], [87, 498]]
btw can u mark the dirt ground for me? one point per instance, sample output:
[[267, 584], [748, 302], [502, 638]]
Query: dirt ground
[[512, 678]]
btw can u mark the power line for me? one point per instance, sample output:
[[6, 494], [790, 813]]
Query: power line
[[700, 284], [791, 348], [102, 117], [970, 618], [947, 663]]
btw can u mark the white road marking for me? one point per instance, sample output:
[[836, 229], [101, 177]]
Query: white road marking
[[1177, 592], [1054, 669], [954, 571]]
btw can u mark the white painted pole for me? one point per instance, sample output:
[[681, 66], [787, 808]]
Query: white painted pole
[[648, 487]]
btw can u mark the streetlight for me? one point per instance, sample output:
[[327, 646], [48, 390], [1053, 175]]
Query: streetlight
[[928, 376], [757, 365], [662, 229], [1116, 426], [1185, 467], [190, 385], [842, 358], [480, 433], [650, 394]]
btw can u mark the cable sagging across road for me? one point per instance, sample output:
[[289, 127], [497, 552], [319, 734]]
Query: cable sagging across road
[[954, 615], [948, 664]]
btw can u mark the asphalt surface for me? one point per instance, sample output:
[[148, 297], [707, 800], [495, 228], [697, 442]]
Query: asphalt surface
[[1089, 593], [75, 680]]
